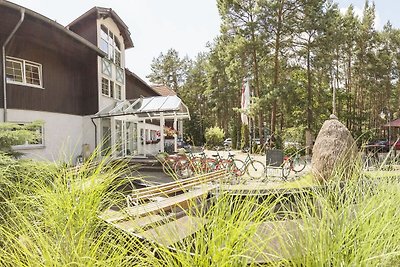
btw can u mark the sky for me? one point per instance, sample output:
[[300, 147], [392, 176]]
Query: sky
[[185, 25]]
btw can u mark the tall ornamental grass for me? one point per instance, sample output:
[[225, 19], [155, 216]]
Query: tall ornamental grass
[[49, 218], [356, 225]]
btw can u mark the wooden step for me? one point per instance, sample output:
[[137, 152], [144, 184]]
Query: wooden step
[[174, 231]]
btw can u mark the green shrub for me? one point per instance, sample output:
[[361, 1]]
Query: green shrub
[[15, 134], [214, 136]]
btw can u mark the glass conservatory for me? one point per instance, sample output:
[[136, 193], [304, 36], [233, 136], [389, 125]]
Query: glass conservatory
[[141, 127]]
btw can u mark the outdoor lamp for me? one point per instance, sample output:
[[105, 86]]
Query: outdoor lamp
[[382, 115]]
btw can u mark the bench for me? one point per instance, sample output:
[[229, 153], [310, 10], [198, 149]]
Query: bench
[[182, 201], [161, 191], [163, 213]]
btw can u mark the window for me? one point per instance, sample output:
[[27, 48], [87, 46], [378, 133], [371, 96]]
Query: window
[[118, 92], [38, 142], [105, 86], [106, 67], [14, 71], [106, 136], [23, 72], [111, 89], [120, 75], [110, 44]]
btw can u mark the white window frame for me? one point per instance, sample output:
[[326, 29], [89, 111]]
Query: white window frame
[[111, 41], [108, 84], [112, 89], [120, 75], [24, 63], [117, 95], [106, 67], [27, 145]]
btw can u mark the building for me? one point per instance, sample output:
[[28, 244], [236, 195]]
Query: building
[[74, 80]]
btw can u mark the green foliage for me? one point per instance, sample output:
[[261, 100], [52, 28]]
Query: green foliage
[[294, 140], [14, 134], [294, 134], [168, 69], [193, 130], [49, 216], [234, 134], [214, 136], [297, 60]]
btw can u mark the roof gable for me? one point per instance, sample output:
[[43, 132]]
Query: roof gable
[[101, 12], [163, 90]]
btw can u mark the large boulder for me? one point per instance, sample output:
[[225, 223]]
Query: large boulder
[[334, 147]]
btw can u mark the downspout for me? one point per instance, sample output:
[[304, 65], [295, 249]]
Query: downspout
[[3, 51], [95, 133]]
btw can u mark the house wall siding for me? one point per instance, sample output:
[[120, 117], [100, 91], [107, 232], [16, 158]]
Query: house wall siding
[[87, 29], [62, 134], [136, 89], [69, 84]]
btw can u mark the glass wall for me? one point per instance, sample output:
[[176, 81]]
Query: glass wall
[[105, 136], [131, 139]]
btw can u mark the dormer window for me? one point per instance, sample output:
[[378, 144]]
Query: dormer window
[[110, 44]]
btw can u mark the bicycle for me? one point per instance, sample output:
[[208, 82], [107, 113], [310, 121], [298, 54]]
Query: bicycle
[[254, 168], [189, 164], [293, 163], [200, 163], [215, 163]]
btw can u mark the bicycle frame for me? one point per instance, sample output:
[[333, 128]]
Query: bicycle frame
[[248, 160]]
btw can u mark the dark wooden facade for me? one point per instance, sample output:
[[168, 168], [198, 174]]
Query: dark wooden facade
[[87, 28], [136, 87], [82, 24], [69, 59], [69, 66]]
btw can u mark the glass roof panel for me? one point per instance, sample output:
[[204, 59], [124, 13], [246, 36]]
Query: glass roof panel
[[148, 106]]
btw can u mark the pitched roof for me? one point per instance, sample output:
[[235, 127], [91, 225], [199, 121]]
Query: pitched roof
[[54, 24], [148, 107], [107, 12], [395, 123], [131, 73], [163, 90]]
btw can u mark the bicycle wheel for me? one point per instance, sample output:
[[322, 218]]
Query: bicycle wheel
[[196, 165], [255, 169], [298, 164], [286, 167], [236, 167], [210, 165], [182, 169]]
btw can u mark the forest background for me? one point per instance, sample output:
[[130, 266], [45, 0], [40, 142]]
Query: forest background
[[299, 56]]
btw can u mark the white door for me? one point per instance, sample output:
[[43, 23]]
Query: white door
[[131, 139]]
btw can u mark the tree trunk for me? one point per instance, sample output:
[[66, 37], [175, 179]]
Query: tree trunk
[[309, 89], [276, 68]]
